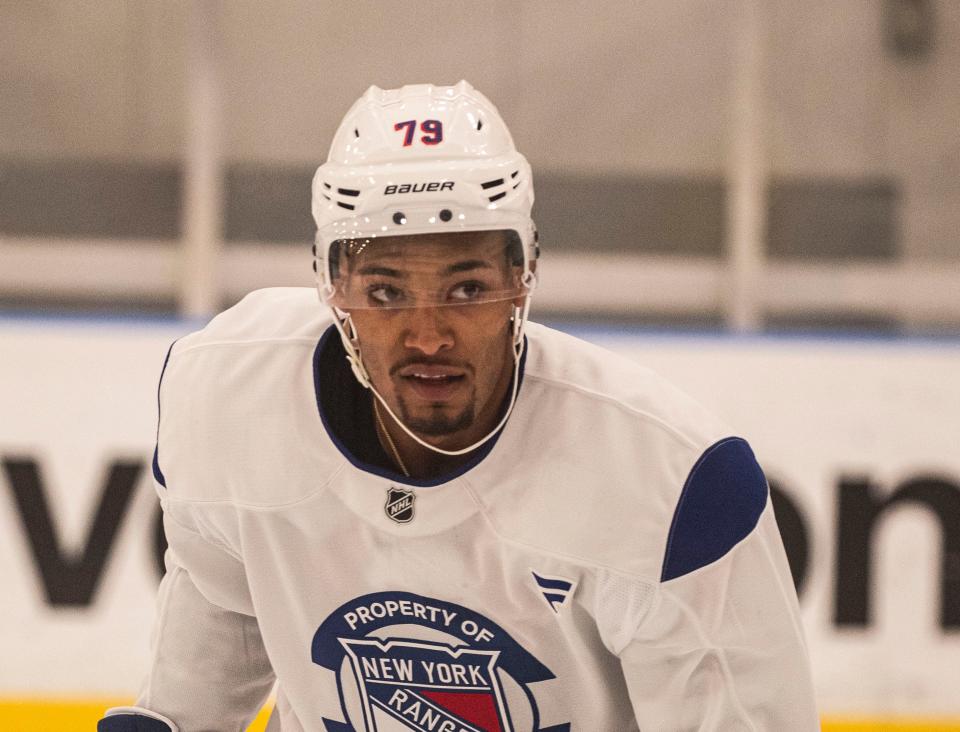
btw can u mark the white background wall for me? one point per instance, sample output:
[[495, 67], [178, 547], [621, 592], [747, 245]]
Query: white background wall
[[77, 397], [620, 86]]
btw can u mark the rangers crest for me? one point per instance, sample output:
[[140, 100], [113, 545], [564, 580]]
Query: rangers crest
[[428, 684], [406, 662]]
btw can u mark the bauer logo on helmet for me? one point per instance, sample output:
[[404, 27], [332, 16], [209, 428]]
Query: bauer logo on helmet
[[431, 187]]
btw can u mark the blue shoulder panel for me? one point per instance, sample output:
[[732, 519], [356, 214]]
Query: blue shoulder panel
[[131, 723], [157, 473], [720, 505]]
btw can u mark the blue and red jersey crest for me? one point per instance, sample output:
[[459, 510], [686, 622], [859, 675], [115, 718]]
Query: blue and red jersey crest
[[429, 686], [408, 662]]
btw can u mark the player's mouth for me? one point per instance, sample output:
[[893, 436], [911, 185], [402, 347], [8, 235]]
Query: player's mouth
[[434, 383]]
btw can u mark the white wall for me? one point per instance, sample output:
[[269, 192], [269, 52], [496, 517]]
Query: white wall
[[76, 397], [624, 85]]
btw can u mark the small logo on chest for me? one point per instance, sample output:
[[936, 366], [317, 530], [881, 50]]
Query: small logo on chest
[[399, 505], [555, 590]]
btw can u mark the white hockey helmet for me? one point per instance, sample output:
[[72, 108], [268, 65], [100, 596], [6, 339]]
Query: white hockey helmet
[[416, 160]]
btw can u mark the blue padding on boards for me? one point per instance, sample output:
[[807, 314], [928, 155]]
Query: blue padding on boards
[[131, 723], [720, 505]]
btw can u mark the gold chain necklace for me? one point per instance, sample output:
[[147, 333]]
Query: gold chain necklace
[[393, 447]]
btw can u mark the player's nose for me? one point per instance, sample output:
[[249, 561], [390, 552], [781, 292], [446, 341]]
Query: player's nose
[[427, 331]]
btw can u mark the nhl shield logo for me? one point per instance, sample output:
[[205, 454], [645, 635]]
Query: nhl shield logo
[[399, 505]]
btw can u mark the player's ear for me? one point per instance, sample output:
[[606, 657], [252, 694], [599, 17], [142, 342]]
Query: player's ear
[[339, 288], [523, 289], [338, 299]]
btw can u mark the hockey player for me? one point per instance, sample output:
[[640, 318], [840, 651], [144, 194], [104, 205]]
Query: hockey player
[[413, 510]]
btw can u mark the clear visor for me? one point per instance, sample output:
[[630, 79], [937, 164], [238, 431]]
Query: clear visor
[[451, 269]]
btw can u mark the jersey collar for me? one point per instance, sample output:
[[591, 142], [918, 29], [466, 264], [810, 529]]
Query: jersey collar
[[343, 440]]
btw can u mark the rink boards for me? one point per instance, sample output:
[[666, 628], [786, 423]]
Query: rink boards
[[859, 437]]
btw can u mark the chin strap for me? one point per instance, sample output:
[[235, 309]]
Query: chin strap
[[351, 344]]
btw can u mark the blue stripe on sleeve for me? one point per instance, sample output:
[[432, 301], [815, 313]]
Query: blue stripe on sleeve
[[157, 472]]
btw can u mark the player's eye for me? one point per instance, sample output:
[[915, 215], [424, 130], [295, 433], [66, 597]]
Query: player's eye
[[385, 294], [467, 292]]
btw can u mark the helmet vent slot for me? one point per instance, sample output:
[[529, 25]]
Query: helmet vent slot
[[356, 132], [348, 206], [515, 173], [348, 192], [327, 186], [492, 183], [479, 124], [498, 196]]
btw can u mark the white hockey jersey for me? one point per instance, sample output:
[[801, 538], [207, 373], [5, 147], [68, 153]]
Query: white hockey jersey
[[610, 563]]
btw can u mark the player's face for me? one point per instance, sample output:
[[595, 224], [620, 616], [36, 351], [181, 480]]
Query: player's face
[[432, 314]]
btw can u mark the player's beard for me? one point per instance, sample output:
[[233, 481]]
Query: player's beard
[[438, 424]]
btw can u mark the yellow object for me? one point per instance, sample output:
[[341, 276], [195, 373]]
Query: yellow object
[[848, 724], [38, 715]]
